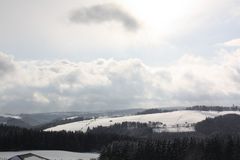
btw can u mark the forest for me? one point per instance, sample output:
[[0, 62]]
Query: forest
[[218, 147], [215, 139], [14, 139]]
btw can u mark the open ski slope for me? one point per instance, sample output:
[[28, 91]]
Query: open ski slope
[[176, 121], [53, 155]]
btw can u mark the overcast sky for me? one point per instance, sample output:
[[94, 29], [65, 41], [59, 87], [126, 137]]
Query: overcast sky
[[84, 55]]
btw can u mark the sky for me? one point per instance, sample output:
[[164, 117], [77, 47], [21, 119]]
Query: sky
[[86, 55]]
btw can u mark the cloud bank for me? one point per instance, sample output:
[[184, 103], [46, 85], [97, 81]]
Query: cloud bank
[[62, 85], [101, 13]]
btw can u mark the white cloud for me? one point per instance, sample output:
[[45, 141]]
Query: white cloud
[[6, 64], [233, 43], [41, 86], [39, 98]]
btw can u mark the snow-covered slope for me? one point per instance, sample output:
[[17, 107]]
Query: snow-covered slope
[[176, 121], [10, 116], [57, 155]]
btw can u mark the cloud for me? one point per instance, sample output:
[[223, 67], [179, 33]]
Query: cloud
[[40, 98], [6, 64], [104, 13], [233, 43], [62, 85]]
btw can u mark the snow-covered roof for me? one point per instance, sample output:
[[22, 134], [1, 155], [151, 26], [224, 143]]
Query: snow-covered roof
[[28, 156]]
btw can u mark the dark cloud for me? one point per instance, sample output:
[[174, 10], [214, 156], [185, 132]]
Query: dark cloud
[[104, 13]]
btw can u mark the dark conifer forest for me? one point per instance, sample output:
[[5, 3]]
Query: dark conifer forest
[[14, 139], [218, 147], [214, 139]]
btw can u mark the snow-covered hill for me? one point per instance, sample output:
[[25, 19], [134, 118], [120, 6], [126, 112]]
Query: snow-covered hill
[[176, 121], [10, 116]]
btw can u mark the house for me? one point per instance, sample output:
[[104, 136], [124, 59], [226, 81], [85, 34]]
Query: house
[[28, 156]]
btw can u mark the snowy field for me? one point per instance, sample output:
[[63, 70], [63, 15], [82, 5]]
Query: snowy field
[[10, 116], [53, 155], [176, 121]]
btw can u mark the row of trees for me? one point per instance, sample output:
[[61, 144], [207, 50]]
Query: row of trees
[[132, 129], [154, 110], [59, 122], [213, 108]]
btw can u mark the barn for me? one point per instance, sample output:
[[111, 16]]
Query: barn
[[28, 156]]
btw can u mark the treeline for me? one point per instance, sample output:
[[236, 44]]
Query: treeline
[[213, 108], [214, 148], [133, 129], [153, 110], [59, 122], [14, 138]]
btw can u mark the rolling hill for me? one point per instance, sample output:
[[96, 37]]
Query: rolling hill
[[175, 121]]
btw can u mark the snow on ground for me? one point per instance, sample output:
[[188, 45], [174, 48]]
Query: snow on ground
[[70, 118], [53, 155], [10, 116], [176, 121]]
